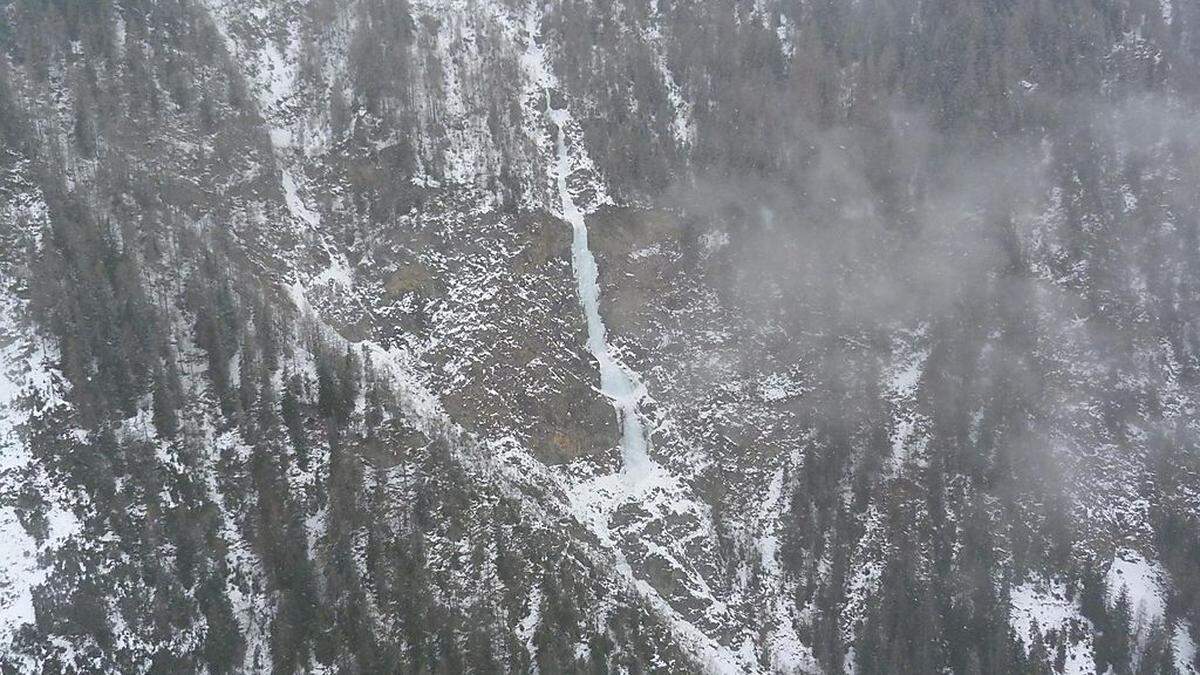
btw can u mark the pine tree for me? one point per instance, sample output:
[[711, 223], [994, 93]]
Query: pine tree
[[85, 129], [1156, 654], [223, 641], [449, 660], [328, 393], [1039, 654], [266, 401], [1121, 627], [480, 658], [266, 334], [339, 114], [292, 420], [347, 380], [166, 421], [248, 376]]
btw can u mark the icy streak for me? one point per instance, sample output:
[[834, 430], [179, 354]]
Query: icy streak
[[616, 382]]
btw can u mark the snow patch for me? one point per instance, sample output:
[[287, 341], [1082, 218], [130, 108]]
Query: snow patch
[[714, 241], [25, 368], [1184, 647], [904, 379], [779, 387], [787, 651], [1144, 580], [1044, 606]]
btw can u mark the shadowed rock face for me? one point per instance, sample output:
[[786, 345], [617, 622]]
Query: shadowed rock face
[[488, 301]]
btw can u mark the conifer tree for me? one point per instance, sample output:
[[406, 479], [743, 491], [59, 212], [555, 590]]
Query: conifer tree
[[1119, 632], [289, 409], [166, 421]]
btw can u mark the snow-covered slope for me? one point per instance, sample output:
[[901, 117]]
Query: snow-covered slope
[[490, 336]]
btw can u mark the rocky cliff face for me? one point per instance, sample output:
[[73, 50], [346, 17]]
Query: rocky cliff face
[[374, 336]]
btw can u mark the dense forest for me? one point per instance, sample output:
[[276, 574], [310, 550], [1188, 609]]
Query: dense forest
[[299, 373]]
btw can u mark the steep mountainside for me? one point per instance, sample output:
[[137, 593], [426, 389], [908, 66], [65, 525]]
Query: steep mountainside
[[732, 336]]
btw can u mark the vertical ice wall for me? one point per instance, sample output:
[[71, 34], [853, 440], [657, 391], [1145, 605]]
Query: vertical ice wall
[[616, 382]]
